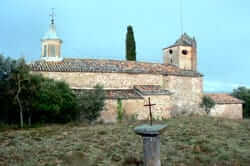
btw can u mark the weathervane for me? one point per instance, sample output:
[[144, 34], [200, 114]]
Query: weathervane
[[52, 15], [150, 112]]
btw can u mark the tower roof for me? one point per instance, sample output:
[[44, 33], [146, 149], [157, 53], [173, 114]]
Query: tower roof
[[51, 34], [184, 40]]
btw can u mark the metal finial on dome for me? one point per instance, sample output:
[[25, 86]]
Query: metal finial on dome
[[52, 15], [51, 34]]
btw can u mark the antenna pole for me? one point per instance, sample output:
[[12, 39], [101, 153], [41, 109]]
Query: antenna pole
[[181, 16]]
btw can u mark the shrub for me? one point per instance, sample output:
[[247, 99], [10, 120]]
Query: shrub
[[57, 103], [119, 110], [24, 95], [208, 103], [243, 93], [91, 103]]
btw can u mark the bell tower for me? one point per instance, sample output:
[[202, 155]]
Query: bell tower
[[182, 54], [51, 43]]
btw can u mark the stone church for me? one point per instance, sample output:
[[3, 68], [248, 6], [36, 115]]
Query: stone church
[[176, 86]]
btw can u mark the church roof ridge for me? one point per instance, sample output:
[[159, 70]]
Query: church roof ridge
[[110, 60], [110, 66]]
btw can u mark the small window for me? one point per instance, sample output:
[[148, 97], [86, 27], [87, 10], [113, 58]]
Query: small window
[[171, 61], [184, 52], [170, 51]]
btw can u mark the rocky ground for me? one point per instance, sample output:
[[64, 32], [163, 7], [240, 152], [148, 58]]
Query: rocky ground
[[187, 141]]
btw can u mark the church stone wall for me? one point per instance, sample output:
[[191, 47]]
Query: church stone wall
[[83, 80], [171, 56], [175, 56], [231, 111], [136, 108], [131, 107], [185, 61], [187, 91]]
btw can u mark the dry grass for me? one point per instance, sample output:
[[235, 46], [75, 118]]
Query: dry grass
[[187, 141]]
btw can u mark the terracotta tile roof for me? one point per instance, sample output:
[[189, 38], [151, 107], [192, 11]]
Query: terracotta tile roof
[[224, 98], [151, 90], [114, 94], [110, 66]]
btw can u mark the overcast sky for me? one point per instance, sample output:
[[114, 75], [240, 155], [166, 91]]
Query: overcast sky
[[96, 29]]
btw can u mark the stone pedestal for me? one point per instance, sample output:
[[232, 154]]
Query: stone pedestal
[[151, 143]]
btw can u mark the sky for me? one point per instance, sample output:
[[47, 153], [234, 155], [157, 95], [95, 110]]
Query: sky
[[97, 29]]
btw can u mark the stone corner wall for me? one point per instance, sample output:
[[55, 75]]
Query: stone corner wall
[[187, 91], [230, 111]]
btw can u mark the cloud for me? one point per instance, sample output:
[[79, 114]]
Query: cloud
[[219, 86]]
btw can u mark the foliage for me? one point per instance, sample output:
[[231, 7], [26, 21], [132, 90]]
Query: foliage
[[130, 44], [57, 103], [91, 103], [20, 76], [31, 96], [7, 65], [119, 110], [12, 84], [243, 93], [6, 94], [208, 103]]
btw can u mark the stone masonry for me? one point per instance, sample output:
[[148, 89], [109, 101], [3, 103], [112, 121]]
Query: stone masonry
[[231, 111], [226, 106]]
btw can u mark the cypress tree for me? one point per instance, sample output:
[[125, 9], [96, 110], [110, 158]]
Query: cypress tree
[[130, 44]]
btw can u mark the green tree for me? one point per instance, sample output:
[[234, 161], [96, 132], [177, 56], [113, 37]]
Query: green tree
[[31, 94], [243, 93], [19, 76], [7, 65], [208, 103], [91, 103], [130, 44], [28, 95]]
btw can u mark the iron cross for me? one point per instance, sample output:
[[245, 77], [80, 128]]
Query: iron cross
[[150, 112], [52, 15]]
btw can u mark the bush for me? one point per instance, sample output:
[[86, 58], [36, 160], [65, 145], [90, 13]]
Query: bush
[[91, 103], [57, 103], [9, 111], [45, 100], [119, 110], [208, 103], [243, 93]]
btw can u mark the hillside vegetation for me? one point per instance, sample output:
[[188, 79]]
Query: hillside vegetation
[[187, 141]]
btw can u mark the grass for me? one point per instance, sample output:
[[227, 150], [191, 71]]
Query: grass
[[187, 141]]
